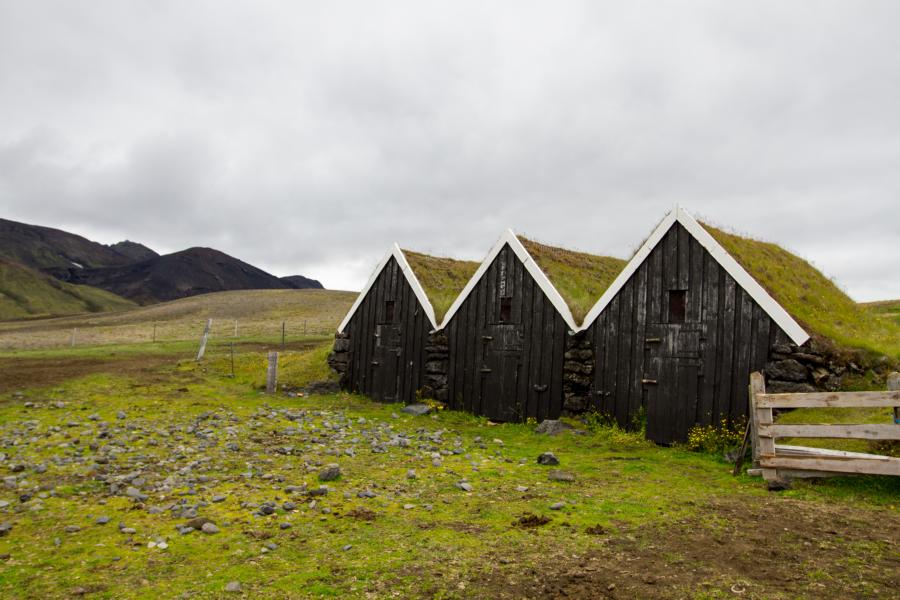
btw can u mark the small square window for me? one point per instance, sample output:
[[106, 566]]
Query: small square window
[[677, 306], [388, 311], [505, 309]]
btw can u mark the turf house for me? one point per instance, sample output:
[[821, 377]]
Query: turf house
[[380, 347], [670, 336]]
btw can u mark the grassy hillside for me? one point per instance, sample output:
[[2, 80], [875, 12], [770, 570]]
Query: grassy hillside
[[27, 293], [441, 278], [258, 313], [810, 297], [888, 310], [579, 277]]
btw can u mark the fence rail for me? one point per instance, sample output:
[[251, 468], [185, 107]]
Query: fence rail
[[777, 461]]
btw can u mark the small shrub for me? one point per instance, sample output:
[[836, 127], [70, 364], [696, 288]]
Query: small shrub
[[716, 439]]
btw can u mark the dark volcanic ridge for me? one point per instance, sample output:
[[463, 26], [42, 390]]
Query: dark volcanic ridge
[[132, 270], [299, 282]]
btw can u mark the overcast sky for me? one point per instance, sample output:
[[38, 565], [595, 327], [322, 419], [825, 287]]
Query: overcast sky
[[305, 137]]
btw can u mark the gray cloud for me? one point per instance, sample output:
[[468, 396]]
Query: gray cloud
[[307, 138]]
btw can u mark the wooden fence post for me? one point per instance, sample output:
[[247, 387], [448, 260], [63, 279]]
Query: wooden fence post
[[893, 385], [272, 373], [154, 333], [202, 350], [74, 329], [760, 417], [282, 336], [235, 328]]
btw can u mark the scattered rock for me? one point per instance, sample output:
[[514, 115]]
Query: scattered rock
[[233, 586], [411, 474], [416, 409], [778, 485], [557, 506], [219, 498], [551, 427], [5, 528], [330, 472], [547, 458], [72, 528], [209, 527], [103, 520], [464, 486]]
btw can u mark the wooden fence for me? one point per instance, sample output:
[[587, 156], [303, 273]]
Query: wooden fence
[[779, 461]]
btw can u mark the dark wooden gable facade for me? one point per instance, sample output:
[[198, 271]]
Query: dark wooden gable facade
[[506, 343], [385, 338], [678, 341]]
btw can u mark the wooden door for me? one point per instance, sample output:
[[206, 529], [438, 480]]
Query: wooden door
[[500, 372], [386, 363], [673, 368]]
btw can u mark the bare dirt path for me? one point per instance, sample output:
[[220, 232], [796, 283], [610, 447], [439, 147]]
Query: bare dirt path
[[758, 547]]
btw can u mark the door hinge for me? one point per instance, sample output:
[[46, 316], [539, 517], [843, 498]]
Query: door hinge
[[652, 340], [485, 370], [648, 382], [375, 363], [487, 338], [540, 388]]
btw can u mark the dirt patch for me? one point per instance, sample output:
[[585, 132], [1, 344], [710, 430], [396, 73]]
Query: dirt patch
[[361, 514], [25, 373], [595, 530], [531, 520], [750, 548]]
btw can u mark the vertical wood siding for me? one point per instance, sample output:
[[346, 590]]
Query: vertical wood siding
[[537, 360], [413, 326], [700, 383]]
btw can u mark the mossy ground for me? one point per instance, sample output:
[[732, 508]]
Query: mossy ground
[[623, 511]]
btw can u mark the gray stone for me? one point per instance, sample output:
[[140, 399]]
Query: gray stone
[[285, 525], [72, 528], [786, 370], [209, 528], [289, 505], [547, 458], [560, 476], [233, 587], [551, 427], [788, 387], [330, 472], [416, 409], [557, 506], [102, 520], [366, 494], [219, 498], [464, 486], [411, 474]]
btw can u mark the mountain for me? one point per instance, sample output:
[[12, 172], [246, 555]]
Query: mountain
[[299, 282], [26, 292], [178, 275], [132, 250], [55, 250]]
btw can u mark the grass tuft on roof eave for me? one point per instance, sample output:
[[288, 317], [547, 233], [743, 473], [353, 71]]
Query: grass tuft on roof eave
[[580, 278], [810, 297], [442, 278]]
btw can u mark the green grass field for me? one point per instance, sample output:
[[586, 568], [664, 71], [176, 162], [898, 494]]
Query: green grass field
[[637, 521], [26, 293]]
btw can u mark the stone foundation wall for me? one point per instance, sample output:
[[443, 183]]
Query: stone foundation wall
[[437, 356], [339, 357], [817, 366], [578, 373]]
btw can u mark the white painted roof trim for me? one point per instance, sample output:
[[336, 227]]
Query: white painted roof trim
[[509, 237], [731, 266], [410, 275]]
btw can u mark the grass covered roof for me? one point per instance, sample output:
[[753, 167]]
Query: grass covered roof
[[811, 297], [580, 278], [442, 278]]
